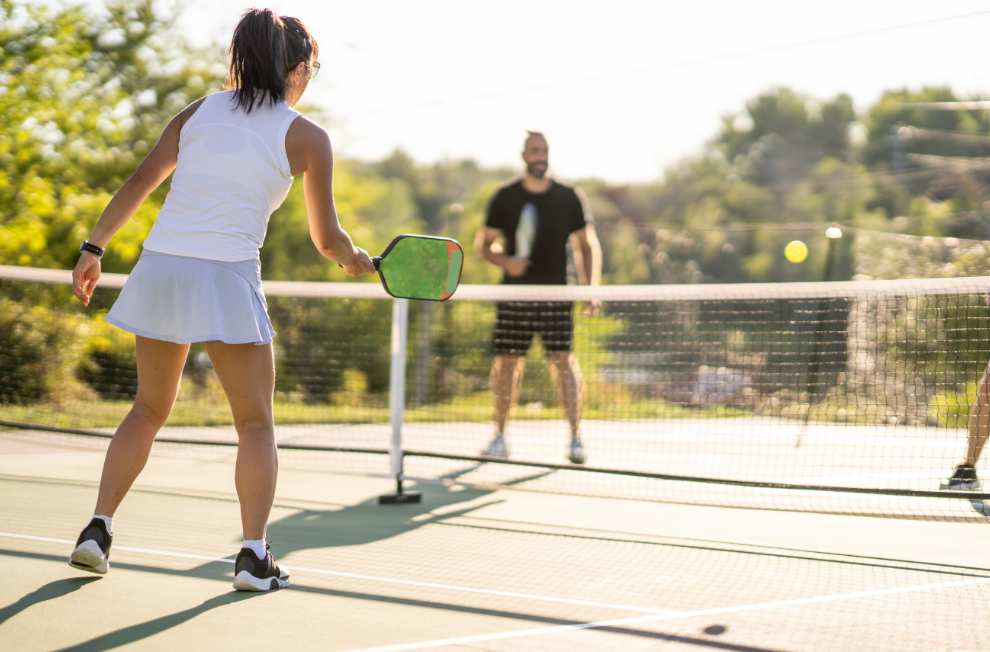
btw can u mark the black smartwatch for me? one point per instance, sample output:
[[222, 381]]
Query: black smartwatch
[[92, 248]]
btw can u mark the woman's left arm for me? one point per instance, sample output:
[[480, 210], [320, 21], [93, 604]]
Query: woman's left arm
[[154, 169]]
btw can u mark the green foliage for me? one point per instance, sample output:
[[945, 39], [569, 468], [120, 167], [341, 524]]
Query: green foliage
[[320, 342], [109, 363], [84, 98], [952, 409], [28, 347], [893, 111]]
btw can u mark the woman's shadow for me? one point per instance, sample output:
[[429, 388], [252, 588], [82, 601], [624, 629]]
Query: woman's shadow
[[365, 522]]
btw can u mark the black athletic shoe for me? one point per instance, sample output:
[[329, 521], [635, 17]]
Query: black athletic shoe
[[92, 553], [253, 574], [964, 479]]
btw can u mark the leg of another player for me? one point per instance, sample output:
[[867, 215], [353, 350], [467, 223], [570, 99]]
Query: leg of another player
[[964, 478], [247, 374], [567, 377], [159, 370], [505, 382], [506, 378], [979, 422]]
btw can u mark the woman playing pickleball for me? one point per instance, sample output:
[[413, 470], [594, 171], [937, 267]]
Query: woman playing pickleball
[[234, 154]]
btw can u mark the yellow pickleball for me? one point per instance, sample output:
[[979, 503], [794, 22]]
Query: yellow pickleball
[[796, 251]]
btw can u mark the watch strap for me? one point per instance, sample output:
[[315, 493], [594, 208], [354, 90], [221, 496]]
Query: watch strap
[[92, 248]]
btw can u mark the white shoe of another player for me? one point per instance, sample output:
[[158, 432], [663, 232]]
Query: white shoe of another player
[[576, 455], [498, 449]]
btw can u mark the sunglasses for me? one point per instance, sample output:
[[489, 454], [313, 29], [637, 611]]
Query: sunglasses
[[316, 69]]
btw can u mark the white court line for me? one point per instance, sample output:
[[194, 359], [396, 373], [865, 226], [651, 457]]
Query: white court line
[[372, 578], [646, 619]]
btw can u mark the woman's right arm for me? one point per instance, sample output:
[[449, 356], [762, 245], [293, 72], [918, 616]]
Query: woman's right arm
[[307, 146], [154, 169]]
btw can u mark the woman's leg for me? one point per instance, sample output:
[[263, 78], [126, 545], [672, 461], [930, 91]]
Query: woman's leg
[[247, 373], [159, 369]]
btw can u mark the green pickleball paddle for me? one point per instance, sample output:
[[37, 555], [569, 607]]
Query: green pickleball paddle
[[420, 267]]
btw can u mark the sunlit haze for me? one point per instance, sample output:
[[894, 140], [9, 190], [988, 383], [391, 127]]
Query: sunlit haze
[[453, 79]]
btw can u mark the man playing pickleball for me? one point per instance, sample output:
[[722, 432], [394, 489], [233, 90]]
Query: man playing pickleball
[[536, 217]]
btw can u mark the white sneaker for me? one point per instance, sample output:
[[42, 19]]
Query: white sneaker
[[576, 455], [498, 449], [92, 552]]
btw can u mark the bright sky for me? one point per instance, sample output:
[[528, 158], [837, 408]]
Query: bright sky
[[455, 78]]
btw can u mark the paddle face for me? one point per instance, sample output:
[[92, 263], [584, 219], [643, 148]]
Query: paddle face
[[421, 267]]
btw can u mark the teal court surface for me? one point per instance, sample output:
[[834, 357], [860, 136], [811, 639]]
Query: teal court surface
[[470, 568]]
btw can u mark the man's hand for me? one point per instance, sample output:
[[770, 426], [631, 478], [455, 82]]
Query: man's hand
[[592, 308], [516, 267], [85, 276], [361, 264]]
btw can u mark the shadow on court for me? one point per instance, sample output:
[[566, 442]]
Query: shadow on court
[[214, 571], [151, 628], [368, 521], [50, 591], [141, 631], [365, 522], [125, 636]]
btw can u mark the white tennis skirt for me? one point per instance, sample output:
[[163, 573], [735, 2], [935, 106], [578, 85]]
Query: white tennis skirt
[[186, 300]]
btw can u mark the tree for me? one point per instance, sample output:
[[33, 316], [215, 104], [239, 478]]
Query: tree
[[83, 99]]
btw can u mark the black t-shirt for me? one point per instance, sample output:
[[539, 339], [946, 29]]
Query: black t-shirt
[[555, 214]]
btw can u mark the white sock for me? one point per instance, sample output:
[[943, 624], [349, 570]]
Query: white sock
[[108, 521], [257, 546]]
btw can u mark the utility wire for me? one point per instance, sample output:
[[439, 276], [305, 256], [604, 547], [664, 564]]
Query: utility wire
[[664, 67]]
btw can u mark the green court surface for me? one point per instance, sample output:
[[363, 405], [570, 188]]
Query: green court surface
[[468, 569]]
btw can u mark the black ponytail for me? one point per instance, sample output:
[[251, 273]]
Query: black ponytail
[[263, 51]]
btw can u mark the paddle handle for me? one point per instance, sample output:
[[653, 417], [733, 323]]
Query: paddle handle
[[377, 260]]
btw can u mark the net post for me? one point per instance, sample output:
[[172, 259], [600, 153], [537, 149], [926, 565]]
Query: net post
[[397, 400]]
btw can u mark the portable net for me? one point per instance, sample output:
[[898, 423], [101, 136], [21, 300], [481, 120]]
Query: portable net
[[848, 397]]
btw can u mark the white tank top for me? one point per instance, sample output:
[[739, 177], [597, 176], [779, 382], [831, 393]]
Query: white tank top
[[232, 173]]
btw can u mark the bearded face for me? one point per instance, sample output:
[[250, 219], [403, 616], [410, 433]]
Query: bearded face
[[536, 156], [536, 170]]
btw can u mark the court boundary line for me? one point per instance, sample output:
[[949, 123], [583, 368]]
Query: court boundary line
[[557, 629], [372, 578]]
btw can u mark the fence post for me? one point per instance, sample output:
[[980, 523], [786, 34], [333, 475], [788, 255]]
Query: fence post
[[397, 401]]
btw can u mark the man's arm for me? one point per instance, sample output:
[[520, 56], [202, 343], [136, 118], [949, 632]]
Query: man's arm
[[587, 255], [512, 265]]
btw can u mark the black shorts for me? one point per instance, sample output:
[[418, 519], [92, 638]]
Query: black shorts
[[518, 321]]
